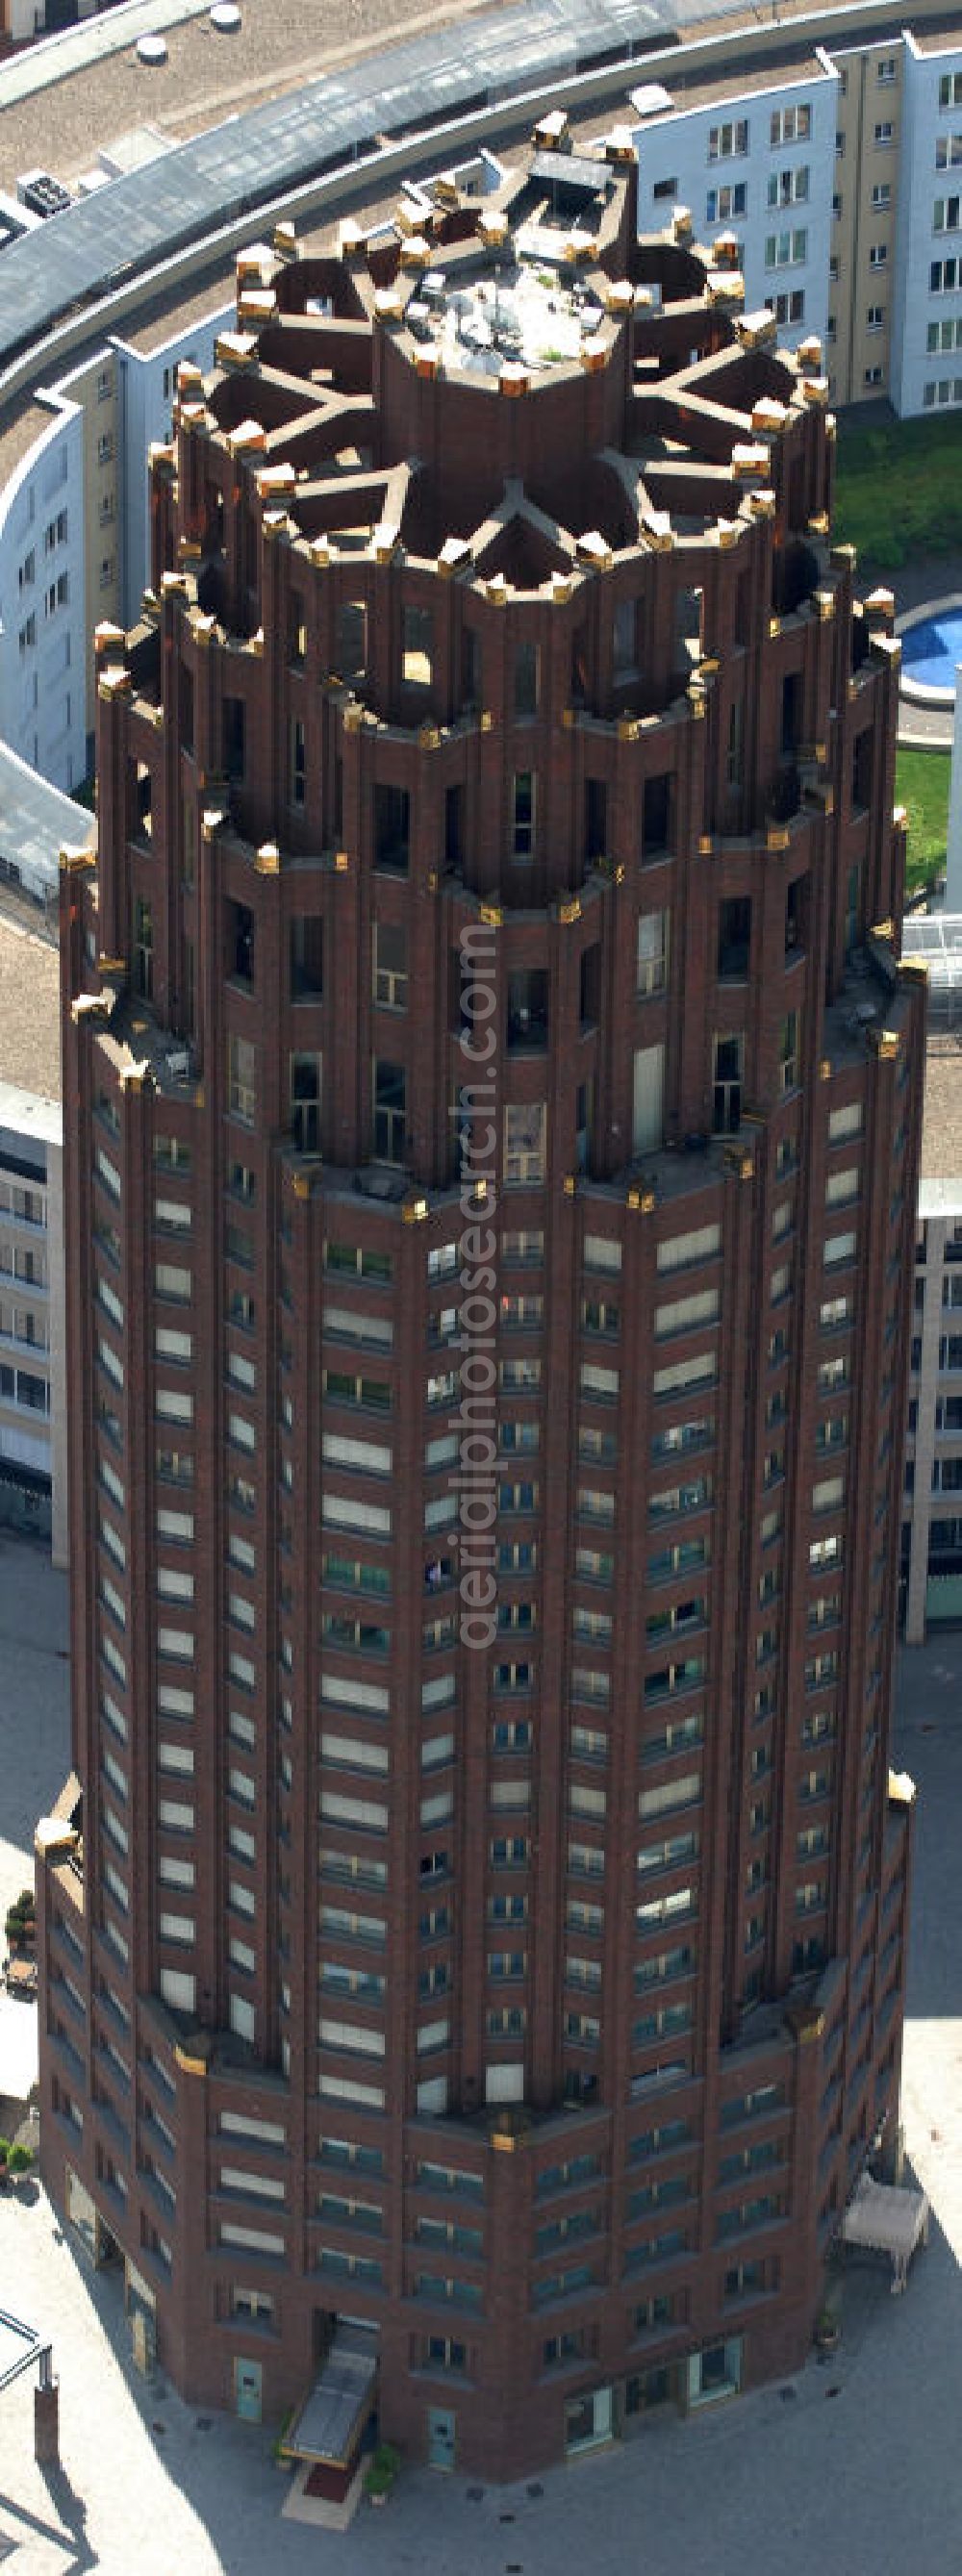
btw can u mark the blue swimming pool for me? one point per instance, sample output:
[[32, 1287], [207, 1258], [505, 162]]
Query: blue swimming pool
[[931, 649]]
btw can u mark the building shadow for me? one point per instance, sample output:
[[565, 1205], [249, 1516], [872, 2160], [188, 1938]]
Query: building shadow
[[68, 2533], [72, 2512]]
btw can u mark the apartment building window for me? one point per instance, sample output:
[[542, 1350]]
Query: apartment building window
[[728, 142], [885, 70], [789, 1052], [390, 969], [305, 1102], [105, 447], [652, 960], [875, 318], [840, 147], [945, 389], [874, 375], [943, 335], [883, 134], [882, 192], [297, 774], [948, 156], [417, 647], [525, 1134], [950, 89], [390, 1110], [790, 125], [242, 1080], [392, 828], [727, 1078], [350, 639], [306, 957], [524, 813], [726, 205], [945, 215], [734, 937], [788, 187], [878, 253], [786, 249], [143, 949]]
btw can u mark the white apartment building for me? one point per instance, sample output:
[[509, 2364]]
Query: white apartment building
[[931, 1568], [74, 528], [751, 155], [43, 712], [33, 1385], [840, 177], [35, 825], [927, 333]]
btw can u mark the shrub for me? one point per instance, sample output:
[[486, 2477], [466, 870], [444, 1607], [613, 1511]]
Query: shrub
[[4, 2150], [26, 1903], [377, 2481], [282, 2456], [380, 2476], [19, 2160]]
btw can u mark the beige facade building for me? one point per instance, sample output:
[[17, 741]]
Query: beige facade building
[[864, 218]]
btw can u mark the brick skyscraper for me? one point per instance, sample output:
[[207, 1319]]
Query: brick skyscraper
[[535, 2000]]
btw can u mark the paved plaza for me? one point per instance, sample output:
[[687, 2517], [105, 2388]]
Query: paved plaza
[[852, 2469]]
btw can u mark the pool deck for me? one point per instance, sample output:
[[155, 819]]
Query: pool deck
[[935, 581], [926, 709]]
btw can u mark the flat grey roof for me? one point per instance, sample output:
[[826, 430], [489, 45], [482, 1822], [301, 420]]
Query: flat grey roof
[[75, 48], [36, 822], [940, 1198], [28, 1118]]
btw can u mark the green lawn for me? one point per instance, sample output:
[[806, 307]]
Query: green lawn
[[899, 489], [922, 786]]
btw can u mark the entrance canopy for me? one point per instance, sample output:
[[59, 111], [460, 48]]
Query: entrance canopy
[[328, 2425], [889, 2221]]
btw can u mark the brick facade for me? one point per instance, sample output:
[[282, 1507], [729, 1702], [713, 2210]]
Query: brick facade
[[566, 1972]]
